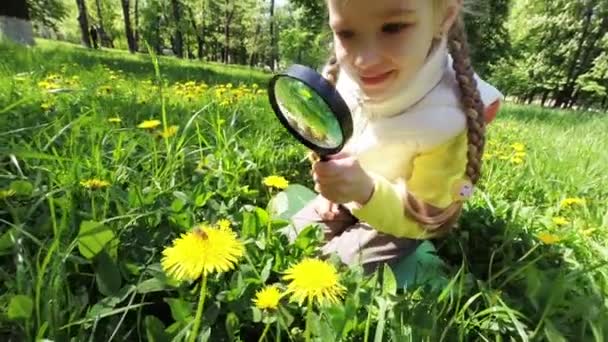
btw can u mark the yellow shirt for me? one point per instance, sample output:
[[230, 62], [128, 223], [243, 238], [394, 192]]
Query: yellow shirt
[[414, 143]]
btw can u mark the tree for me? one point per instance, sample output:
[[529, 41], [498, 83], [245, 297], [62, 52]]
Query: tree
[[128, 29], [15, 22], [178, 40], [83, 21]]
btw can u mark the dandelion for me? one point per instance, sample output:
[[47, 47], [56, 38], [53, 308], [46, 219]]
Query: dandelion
[[268, 298], [276, 182], [169, 132], [313, 279], [548, 238], [149, 124], [560, 221], [568, 202], [517, 161], [224, 224], [520, 154], [589, 231], [200, 252], [518, 147], [7, 193], [95, 184], [115, 119]]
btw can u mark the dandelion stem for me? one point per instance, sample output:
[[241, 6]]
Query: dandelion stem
[[199, 309], [264, 332], [308, 318]]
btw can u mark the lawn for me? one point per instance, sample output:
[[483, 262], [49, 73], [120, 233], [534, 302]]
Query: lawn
[[107, 157]]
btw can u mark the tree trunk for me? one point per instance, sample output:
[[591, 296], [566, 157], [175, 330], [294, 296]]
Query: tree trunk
[[199, 40], [229, 16], [566, 92], [604, 104], [273, 40], [136, 28], [179, 39], [99, 15], [15, 23], [83, 20], [543, 101], [128, 29]]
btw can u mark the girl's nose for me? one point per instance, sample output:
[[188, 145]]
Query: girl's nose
[[366, 57]]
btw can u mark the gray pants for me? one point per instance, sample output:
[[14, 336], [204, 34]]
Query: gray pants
[[353, 241]]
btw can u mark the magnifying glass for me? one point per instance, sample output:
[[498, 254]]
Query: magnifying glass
[[311, 109]]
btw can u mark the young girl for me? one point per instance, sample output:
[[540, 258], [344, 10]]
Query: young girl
[[419, 113]]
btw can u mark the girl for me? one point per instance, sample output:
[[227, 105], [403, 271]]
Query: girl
[[419, 114]]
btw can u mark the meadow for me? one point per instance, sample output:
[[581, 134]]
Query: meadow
[[106, 158]]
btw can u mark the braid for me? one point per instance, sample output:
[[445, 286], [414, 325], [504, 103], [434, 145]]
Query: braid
[[470, 99]]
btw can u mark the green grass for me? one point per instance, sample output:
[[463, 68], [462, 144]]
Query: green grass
[[84, 264]]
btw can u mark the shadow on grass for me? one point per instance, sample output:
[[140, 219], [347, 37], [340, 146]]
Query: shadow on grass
[[135, 65]]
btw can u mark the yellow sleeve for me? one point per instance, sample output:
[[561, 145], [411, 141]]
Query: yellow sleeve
[[435, 179]]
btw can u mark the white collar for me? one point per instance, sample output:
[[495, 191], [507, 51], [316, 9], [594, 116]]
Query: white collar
[[421, 84]]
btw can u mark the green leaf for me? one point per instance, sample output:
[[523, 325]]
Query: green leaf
[[266, 271], [180, 309], [552, 334], [92, 238], [201, 200], [107, 275], [389, 283], [155, 330], [288, 202], [7, 241], [22, 188], [151, 285], [20, 307], [182, 220], [233, 326], [177, 205]]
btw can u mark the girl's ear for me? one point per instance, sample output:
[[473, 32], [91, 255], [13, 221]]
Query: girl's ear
[[452, 10]]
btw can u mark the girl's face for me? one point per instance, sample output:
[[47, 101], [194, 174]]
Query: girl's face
[[383, 43]]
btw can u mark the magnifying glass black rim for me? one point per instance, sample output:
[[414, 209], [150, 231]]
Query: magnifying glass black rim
[[330, 96]]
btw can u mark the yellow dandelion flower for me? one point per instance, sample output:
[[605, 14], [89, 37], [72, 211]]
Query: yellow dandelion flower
[[560, 221], [95, 184], [589, 231], [572, 201], [202, 251], [7, 193], [149, 124], [169, 132], [519, 147], [229, 85], [115, 119], [517, 161], [313, 279], [520, 154], [224, 224], [267, 298], [276, 182], [548, 238]]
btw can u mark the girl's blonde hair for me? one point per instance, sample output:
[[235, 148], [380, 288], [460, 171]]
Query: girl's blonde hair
[[436, 220]]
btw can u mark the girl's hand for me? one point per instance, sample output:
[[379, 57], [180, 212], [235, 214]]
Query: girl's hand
[[342, 179], [326, 209]]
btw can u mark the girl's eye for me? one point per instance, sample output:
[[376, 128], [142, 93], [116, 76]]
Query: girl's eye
[[394, 28], [345, 34]]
